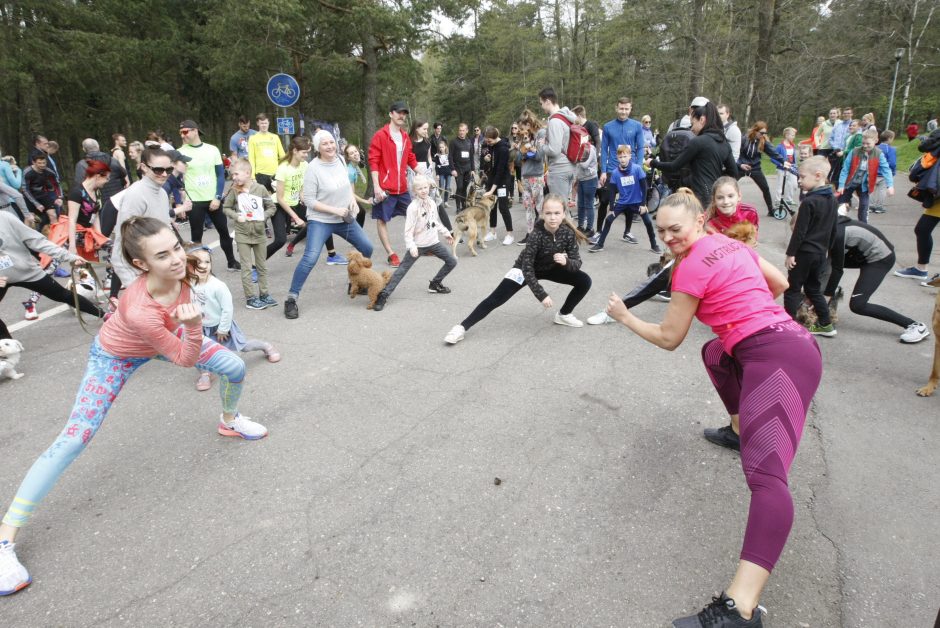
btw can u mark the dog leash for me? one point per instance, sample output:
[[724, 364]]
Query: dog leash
[[75, 277]]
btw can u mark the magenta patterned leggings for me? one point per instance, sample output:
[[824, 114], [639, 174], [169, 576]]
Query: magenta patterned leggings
[[770, 383]]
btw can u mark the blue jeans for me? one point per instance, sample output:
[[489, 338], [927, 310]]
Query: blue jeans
[[586, 191], [863, 200], [317, 233]]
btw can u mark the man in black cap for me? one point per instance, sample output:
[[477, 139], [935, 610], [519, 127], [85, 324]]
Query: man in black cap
[[390, 156], [205, 182]]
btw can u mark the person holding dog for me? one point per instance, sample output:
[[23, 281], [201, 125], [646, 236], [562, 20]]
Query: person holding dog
[[422, 229], [155, 319], [532, 135], [390, 156], [461, 160], [499, 183], [765, 367], [551, 253], [331, 210]]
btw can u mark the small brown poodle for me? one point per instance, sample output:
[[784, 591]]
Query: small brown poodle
[[362, 277]]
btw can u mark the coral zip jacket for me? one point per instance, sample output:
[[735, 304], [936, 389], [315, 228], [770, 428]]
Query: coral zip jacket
[[384, 160]]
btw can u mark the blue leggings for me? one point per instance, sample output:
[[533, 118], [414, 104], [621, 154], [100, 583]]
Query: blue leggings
[[105, 376]]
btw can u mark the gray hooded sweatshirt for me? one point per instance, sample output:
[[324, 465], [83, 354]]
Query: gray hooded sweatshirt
[[17, 242], [558, 136]]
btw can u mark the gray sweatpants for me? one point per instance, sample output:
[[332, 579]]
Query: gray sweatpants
[[438, 250], [560, 183]]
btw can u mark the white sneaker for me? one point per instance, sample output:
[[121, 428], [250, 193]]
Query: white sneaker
[[13, 575], [915, 332], [455, 335], [243, 427], [489, 237], [567, 319], [601, 318], [508, 239]]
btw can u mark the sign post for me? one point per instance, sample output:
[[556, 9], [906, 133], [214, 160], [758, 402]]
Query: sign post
[[284, 91]]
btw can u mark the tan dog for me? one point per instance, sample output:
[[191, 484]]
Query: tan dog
[[472, 221], [934, 380], [743, 232], [361, 276]]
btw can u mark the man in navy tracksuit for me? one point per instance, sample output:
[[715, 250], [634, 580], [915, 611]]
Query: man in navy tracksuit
[[618, 132]]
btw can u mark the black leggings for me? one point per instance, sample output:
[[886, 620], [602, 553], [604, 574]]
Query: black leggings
[[197, 219], [502, 204], [606, 197], [281, 222], [507, 288], [757, 176], [48, 287], [923, 230], [461, 182], [807, 276], [646, 221], [869, 278]]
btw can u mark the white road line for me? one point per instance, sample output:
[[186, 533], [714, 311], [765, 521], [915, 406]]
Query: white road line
[[65, 308]]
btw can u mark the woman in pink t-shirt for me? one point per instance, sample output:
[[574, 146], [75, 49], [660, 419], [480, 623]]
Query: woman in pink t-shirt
[[154, 319], [765, 367]]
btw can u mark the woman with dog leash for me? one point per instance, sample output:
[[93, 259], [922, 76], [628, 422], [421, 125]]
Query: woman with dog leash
[[551, 253], [155, 319], [765, 367], [18, 266]]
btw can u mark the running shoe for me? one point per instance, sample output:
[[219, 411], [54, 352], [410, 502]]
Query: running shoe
[[665, 296], [380, 301], [243, 427], [336, 260], [455, 335], [915, 332], [721, 613], [61, 272], [829, 331], [629, 238], [438, 288], [911, 272], [13, 575], [594, 239], [723, 436], [268, 300], [204, 382], [597, 248], [290, 250], [254, 303], [878, 210], [393, 261], [569, 320], [234, 267], [30, 314], [601, 318], [490, 236], [290, 308], [254, 275], [523, 241], [926, 283], [656, 249], [508, 239]]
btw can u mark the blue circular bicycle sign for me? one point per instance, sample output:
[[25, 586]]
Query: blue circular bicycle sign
[[283, 90]]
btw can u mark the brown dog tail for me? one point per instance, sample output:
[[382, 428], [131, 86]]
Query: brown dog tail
[[386, 277]]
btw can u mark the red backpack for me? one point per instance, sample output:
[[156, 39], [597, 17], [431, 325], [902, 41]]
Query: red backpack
[[578, 139]]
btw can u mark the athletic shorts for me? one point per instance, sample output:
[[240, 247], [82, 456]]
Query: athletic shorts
[[393, 205]]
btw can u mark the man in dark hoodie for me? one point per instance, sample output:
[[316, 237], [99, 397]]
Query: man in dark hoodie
[[116, 178], [499, 182], [708, 155], [461, 159]]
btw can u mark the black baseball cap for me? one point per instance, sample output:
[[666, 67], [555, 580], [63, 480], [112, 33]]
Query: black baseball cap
[[175, 155], [398, 106], [189, 124]]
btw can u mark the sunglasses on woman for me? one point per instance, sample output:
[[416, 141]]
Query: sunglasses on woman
[[160, 171]]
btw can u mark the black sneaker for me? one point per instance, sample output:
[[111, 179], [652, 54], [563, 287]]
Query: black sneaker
[[290, 308], [380, 301], [721, 613], [234, 266], [523, 241], [724, 436], [438, 287]]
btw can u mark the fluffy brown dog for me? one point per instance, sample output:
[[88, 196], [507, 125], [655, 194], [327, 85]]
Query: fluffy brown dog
[[743, 232], [934, 380], [473, 221], [361, 276]]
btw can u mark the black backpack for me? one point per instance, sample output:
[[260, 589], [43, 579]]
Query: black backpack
[[675, 142]]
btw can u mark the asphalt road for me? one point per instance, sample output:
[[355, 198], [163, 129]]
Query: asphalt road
[[373, 502]]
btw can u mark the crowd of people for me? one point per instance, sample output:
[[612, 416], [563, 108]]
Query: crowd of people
[[574, 178]]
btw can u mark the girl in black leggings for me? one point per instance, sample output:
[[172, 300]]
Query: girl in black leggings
[[755, 144], [551, 253], [859, 245], [18, 266]]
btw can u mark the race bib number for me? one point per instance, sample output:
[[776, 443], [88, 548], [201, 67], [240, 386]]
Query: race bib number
[[203, 181], [626, 181], [250, 206], [501, 192], [6, 262], [515, 274], [465, 154]]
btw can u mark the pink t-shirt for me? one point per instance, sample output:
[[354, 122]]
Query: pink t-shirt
[[143, 328], [734, 299]]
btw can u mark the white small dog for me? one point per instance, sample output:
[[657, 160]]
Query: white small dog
[[10, 351]]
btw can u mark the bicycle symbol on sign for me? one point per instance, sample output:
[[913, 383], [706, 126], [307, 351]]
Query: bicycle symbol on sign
[[283, 89]]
